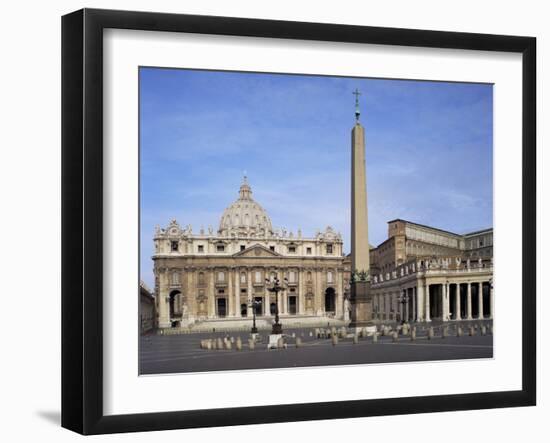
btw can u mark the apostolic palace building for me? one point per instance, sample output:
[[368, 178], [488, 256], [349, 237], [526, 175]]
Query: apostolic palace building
[[215, 279]]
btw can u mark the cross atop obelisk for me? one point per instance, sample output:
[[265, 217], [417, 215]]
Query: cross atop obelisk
[[357, 111]]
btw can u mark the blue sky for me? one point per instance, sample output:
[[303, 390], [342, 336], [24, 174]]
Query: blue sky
[[428, 151]]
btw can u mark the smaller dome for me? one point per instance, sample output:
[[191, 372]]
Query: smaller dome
[[245, 215]]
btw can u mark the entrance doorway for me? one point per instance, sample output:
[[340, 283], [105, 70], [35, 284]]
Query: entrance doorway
[[292, 305], [221, 307], [330, 300], [258, 306]]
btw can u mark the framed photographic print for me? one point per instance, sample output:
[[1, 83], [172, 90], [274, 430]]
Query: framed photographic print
[[309, 221]]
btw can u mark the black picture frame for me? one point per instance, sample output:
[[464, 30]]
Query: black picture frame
[[82, 218]]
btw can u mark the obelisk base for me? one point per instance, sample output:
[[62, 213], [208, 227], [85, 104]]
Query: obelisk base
[[361, 305]]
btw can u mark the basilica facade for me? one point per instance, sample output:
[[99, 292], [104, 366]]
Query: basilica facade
[[219, 279]]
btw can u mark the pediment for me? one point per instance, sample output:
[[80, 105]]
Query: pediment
[[257, 251]]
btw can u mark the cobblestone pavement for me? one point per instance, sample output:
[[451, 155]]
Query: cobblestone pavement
[[182, 353]]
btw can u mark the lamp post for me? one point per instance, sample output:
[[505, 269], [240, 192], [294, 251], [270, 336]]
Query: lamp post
[[276, 287], [254, 305]]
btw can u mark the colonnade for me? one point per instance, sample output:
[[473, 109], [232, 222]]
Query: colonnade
[[444, 301]]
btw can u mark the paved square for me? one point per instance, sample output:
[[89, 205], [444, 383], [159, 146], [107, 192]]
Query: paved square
[[160, 354]]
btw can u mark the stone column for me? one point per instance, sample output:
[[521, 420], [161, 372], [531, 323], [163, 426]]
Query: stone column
[[189, 291], [250, 295], [480, 301], [427, 303], [339, 294], [267, 312], [163, 304], [444, 302], [301, 301], [469, 302], [318, 306], [237, 292], [420, 298], [230, 300], [414, 301], [388, 305], [457, 303], [407, 305], [211, 294], [399, 299]]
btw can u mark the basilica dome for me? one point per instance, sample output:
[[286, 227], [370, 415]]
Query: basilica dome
[[245, 216]]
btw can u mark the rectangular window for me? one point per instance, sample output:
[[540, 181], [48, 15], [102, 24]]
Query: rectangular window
[[292, 249], [201, 248], [220, 248], [272, 248], [243, 291], [329, 248], [308, 251], [174, 246], [221, 276], [292, 277], [258, 276], [243, 247]]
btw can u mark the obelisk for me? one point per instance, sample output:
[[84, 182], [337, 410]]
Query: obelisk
[[360, 260]]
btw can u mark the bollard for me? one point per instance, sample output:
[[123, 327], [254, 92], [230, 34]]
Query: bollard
[[219, 343], [251, 344], [228, 345], [444, 332], [459, 331], [334, 340], [483, 330], [430, 332], [375, 337], [413, 334], [472, 331], [238, 344], [232, 339], [298, 342], [311, 334], [355, 339]]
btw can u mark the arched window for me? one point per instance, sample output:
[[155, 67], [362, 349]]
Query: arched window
[[236, 219], [247, 220]]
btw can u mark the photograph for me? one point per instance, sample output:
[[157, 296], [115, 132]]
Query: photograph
[[299, 220]]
